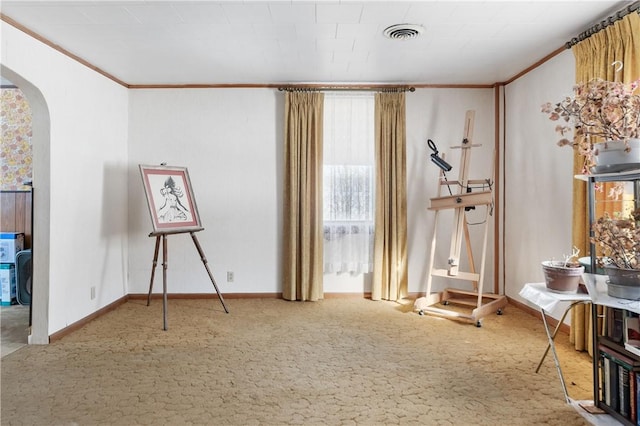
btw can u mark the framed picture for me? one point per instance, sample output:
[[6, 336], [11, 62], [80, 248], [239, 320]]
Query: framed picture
[[170, 199]]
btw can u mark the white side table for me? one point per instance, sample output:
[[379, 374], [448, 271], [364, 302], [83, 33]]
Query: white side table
[[547, 301]]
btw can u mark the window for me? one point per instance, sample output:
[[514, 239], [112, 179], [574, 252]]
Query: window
[[348, 182]]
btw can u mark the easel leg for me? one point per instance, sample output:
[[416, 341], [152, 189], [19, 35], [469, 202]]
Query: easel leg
[[206, 265], [472, 266], [433, 255], [164, 281], [153, 269]]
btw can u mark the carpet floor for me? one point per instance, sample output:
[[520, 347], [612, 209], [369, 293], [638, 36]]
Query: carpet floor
[[343, 361]]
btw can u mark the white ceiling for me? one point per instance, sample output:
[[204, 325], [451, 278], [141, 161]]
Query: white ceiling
[[271, 42]]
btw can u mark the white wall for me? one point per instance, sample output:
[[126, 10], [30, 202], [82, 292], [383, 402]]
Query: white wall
[[87, 179], [538, 175], [231, 142]]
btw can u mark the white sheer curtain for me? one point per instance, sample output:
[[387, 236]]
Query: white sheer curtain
[[348, 182]]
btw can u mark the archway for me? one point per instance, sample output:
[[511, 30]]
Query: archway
[[40, 140]]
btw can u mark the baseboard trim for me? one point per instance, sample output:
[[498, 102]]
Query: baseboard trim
[[155, 296], [84, 321], [142, 296], [347, 296]]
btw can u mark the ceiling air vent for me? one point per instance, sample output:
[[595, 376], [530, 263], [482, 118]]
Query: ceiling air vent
[[403, 31]]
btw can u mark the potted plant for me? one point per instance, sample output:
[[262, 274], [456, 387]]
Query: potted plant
[[618, 245], [605, 119], [563, 275]]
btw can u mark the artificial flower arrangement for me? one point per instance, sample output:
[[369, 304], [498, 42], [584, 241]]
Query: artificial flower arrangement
[[600, 110], [618, 241]]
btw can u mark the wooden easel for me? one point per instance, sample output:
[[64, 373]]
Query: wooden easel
[[458, 202], [165, 265]]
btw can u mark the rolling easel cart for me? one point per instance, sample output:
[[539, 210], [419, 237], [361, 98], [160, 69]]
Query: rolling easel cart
[[173, 211], [460, 202]]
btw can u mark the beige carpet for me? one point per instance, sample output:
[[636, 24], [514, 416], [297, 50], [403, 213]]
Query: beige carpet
[[273, 362], [14, 328]]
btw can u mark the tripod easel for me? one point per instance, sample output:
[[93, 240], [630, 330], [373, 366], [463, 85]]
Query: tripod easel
[[165, 264], [460, 202]]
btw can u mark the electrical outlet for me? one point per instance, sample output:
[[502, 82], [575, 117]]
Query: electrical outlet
[[229, 276], [93, 292]]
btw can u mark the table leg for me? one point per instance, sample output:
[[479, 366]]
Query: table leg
[[552, 345], [553, 336]]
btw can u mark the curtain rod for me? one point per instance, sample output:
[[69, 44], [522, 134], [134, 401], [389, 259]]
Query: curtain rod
[[311, 88], [633, 7]]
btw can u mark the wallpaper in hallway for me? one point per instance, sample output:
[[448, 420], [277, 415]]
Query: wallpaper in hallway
[[15, 143]]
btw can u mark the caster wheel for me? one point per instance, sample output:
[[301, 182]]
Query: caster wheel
[[420, 313], [478, 324], [445, 303], [499, 312]]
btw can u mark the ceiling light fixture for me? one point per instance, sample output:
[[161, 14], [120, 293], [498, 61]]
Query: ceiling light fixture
[[403, 31]]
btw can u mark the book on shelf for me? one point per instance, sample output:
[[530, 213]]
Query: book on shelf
[[610, 381], [615, 325], [605, 390], [624, 395], [633, 399], [632, 332], [614, 392], [637, 394], [618, 391]]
